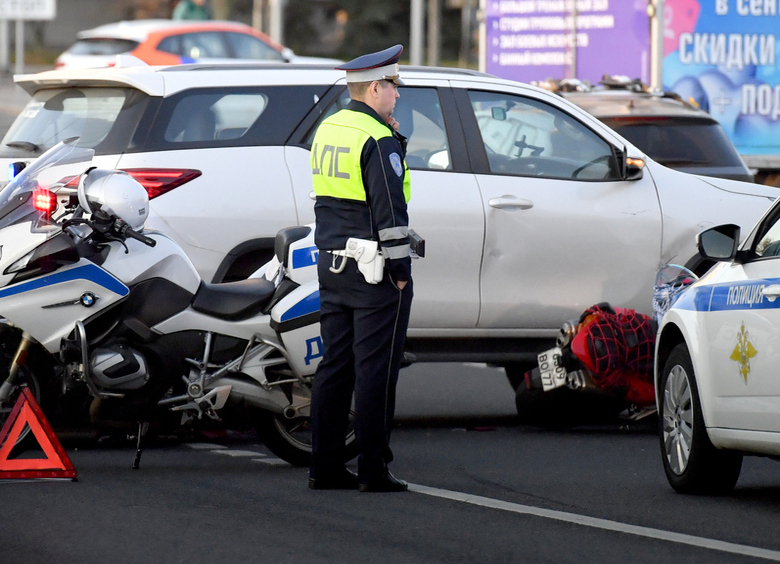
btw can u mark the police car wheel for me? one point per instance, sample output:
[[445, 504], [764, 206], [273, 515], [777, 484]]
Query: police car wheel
[[290, 439], [691, 463]]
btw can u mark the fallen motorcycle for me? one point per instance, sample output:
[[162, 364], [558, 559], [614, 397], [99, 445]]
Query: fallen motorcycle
[[108, 322], [602, 364]]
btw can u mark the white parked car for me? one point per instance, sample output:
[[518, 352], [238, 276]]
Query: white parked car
[[532, 209], [717, 353]]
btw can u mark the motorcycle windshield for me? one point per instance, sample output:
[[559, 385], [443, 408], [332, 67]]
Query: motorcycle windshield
[[52, 171]]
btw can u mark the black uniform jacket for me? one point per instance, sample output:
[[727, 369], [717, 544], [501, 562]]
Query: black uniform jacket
[[339, 219]]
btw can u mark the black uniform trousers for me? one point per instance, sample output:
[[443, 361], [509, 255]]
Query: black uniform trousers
[[363, 333]]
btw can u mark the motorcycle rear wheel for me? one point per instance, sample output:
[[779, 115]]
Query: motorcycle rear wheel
[[290, 439]]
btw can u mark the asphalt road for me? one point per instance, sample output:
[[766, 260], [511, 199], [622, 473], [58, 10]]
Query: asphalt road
[[484, 489]]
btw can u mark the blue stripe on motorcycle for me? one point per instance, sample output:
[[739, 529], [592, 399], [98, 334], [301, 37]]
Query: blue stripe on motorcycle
[[309, 304], [728, 297], [88, 272], [304, 257]]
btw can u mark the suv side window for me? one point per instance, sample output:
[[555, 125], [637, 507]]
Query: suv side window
[[229, 117], [208, 117], [419, 114], [527, 137]]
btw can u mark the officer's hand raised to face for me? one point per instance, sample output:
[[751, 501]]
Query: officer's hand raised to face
[[391, 121]]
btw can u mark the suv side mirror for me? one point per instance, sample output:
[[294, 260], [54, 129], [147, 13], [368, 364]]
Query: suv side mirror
[[631, 168], [719, 243]]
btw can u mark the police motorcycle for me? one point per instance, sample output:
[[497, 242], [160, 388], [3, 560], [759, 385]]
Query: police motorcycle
[[102, 317]]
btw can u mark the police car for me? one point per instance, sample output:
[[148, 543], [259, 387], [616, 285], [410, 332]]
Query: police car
[[717, 358], [532, 209]]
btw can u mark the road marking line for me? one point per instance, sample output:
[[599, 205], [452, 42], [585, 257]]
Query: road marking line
[[648, 532], [272, 461], [205, 446], [239, 453]]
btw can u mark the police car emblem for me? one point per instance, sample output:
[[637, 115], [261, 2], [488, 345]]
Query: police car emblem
[[743, 352], [398, 166]]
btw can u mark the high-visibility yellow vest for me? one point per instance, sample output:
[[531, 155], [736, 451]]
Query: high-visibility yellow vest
[[335, 155]]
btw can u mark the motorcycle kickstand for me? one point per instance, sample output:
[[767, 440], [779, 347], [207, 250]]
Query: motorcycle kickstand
[[143, 427]]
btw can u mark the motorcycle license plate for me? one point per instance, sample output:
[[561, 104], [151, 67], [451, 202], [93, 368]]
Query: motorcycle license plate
[[551, 368]]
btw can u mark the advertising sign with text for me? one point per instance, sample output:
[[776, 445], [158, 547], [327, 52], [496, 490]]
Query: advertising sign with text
[[535, 39], [723, 55]]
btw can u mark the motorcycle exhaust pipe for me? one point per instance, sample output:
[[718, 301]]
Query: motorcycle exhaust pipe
[[253, 394]]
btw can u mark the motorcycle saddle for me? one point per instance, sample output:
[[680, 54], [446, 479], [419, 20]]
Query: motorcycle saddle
[[233, 300]]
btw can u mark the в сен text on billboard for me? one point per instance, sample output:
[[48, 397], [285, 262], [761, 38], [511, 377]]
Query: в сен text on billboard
[[723, 54], [534, 39]]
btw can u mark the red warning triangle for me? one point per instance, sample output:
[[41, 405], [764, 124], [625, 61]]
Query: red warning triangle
[[55, 465]]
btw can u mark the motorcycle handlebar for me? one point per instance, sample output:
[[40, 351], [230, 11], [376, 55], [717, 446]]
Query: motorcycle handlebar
[[126, 231]]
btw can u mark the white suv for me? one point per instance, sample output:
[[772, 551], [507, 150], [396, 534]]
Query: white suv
[[532, 209]]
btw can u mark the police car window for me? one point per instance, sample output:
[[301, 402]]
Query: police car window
[[530, 138], [219, 116], [418, 112], [768, 244]]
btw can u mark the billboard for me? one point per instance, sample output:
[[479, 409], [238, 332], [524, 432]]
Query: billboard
[[535, 39], [28, 9], [723, 55]]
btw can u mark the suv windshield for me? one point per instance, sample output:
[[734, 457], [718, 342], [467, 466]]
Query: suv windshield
[[95, 115], [678, 141]]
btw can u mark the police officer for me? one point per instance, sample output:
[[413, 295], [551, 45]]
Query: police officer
[[362, 187]]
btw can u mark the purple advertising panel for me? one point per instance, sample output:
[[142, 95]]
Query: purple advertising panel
[[531, 40], [723, 55]]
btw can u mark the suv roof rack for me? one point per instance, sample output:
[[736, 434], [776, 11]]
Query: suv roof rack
[[608, 81], [309, 66]]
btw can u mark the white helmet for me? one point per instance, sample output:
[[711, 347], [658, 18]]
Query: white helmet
[[116, 193]]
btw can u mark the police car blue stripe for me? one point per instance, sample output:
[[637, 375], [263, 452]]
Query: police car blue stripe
[[728, 297], [309, 304], [304, 257], [89, 272]]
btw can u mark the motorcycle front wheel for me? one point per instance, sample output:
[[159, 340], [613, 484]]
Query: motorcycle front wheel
[[290, 439], [25, 377]]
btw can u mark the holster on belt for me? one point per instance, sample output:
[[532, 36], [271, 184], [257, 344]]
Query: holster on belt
[[366, 253]]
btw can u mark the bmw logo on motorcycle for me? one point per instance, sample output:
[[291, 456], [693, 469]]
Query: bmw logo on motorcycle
[[88, 299]]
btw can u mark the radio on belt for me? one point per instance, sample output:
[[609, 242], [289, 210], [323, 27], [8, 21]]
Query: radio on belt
[[416, 244]]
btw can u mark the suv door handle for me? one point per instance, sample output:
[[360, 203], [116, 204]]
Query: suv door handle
[[510, 202], [771, 292]]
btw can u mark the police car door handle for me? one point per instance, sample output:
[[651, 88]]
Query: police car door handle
[[771, 292], [510, 202]]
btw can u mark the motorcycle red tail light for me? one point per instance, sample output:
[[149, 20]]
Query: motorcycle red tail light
[[158, 181], [44, 200]]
